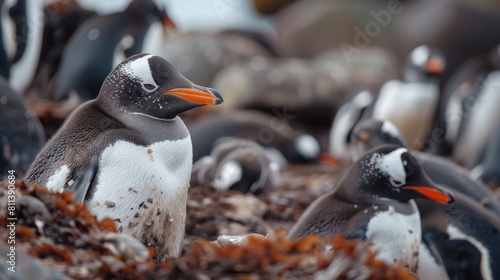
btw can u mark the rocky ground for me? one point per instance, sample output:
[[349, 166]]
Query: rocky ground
[[58, 239]]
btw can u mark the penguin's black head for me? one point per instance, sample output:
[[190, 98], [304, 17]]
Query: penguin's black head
[[390, 171], [148, 85], [304, 149], [371, 133], [423, 63], [246, 169], [152, 9]]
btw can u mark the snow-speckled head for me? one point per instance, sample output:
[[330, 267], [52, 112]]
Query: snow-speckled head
[[148, 85], [392, 172], [370, 133]]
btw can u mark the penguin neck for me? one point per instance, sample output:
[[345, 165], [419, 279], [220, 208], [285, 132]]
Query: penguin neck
[[418, 76], [155, 129], [137, 120], [149, 127]]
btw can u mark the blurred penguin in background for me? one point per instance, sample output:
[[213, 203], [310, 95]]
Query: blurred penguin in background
[[103, 42], [22, 30]]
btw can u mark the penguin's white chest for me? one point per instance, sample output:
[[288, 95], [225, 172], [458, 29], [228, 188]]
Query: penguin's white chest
[[144, 188], [409, 106], [395, 237]]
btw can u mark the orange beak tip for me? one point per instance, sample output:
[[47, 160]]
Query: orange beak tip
[[197, 96], [435, 66], [432, 194], [167, 21], [362, 137]]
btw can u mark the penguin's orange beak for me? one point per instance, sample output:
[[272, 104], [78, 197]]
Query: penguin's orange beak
[[362, 137], [435, 65], [167, 21], [198, 94], [432, 193]]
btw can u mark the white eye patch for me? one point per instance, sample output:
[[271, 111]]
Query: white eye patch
[[392, 165], [139, 69], [420, 55], [307, 146], [391, 129], [230, 173]]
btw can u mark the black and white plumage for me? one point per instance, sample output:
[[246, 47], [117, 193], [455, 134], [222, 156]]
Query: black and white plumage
[[470, 107], [346, 118], [20, 41], [464, 223], [487, 167], [374, 202], [272, 132], [102, 42], [237, 164], [410, 104], [128, 154], [369, 134], [456, 237], [21, 133]]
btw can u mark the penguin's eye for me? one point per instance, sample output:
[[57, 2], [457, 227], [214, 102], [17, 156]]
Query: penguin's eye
[[149, 86]]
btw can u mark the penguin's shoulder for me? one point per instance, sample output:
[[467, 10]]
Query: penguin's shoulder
[[82, 135]]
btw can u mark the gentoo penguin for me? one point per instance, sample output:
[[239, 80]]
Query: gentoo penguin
[[370, 133], [488, 166], [456, 259], [272, 132], [463, 220], [62, 18], [128, 154], [471, 107], [237, 164], [21, 133], [411, 104], [100, 44], [22, 30], [346, 118], [374, 202]]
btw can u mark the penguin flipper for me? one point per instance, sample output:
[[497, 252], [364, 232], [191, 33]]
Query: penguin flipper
[[82, 184]]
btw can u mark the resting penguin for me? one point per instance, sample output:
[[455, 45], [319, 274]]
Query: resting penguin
[[128, 154], [369, 134], [454, 223], [237, 164], [463, 220], [272, 132], [374, 202]]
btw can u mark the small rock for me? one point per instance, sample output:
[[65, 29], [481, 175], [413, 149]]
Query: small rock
[[237, 240]]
